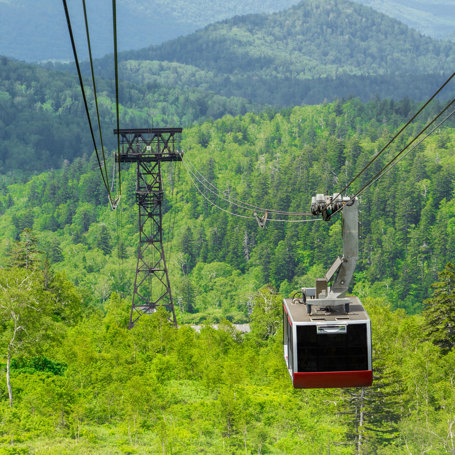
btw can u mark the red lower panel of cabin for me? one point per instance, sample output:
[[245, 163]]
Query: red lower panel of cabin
[[336, 379]]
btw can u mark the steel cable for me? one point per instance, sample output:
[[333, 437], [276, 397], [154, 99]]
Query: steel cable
[[244, 205], [191, 175], [175, 177], [87, 32], [81, 84], [396, 135], [114, 20], [401, 154]]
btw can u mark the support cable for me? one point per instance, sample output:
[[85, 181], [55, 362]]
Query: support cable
[[114, 20], [243, 205], [81, 83], [175, 177], [396, 135], [250, 217], [114, 185], [401, 154], [87, 32]]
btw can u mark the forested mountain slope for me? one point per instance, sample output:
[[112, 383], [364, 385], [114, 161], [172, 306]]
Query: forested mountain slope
[[276, 162], [151, 22], [81, 382], [435, 18], [43, 122], [313, 38], [313, 51]]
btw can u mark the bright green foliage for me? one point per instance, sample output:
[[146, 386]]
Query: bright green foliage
[[275, 161], [100, 388], [103, 240], [32, 310], [187, 296], [24, 253], [267, 314]]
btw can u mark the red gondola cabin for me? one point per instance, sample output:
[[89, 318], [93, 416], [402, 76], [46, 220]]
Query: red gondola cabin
[[327, 347]]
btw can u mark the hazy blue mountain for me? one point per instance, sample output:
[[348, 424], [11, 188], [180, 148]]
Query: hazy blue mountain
[[313, 38], [36, 30], [435, 18], [316, 50]]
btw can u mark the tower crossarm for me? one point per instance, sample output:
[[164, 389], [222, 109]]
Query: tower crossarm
[[148, 144]]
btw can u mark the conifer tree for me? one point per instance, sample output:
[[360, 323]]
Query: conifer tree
[[55, 253], [439, 310], [24, 253], [188, 294], [104, 240], [187, 246], [122, 253]]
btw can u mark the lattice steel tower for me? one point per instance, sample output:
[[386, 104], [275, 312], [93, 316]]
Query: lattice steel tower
[[148, 148]]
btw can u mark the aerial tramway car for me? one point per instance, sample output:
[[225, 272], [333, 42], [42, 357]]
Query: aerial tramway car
[[326, 335]]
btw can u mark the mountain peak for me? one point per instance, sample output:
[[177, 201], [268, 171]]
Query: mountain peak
[[315, 37]]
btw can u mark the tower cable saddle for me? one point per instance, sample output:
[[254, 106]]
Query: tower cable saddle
[[261, 221]]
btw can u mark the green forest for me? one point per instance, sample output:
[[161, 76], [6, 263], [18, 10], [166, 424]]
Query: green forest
[[314, 51], [81, 382], [275, 109], [42, 117], [276, 161]]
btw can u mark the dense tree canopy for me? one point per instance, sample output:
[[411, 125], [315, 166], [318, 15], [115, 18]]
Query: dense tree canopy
[[94, 386], [315, 51], [77, 381], [277, 161], [43, 123]]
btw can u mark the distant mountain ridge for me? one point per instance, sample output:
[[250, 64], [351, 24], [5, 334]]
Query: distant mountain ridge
[[328, 37], [36, 31], [313, 51], [435, 18]]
